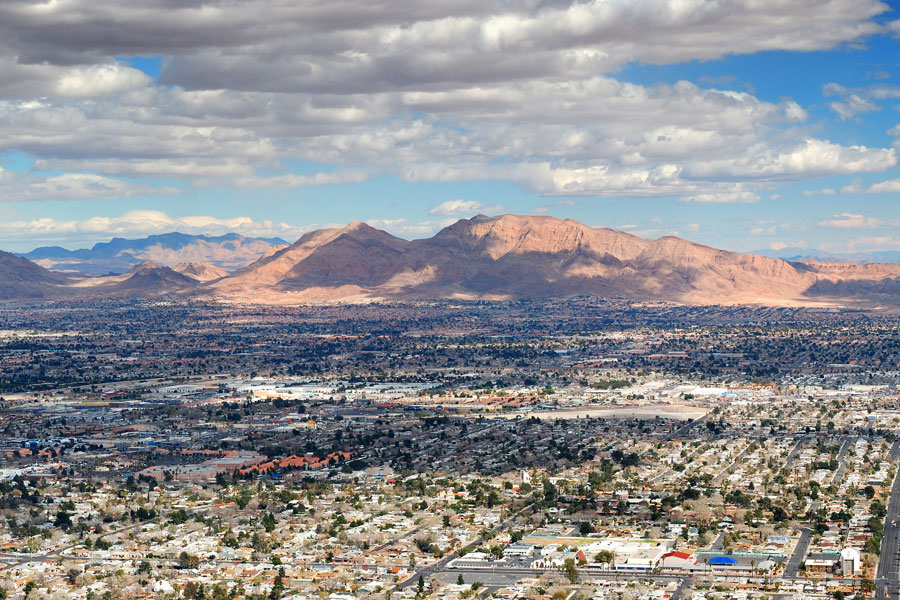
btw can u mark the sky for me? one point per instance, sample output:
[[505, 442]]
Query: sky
[[742, 124]]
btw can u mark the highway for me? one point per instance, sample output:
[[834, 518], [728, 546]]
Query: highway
[[889, 566]]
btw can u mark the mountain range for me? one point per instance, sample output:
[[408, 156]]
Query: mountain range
[[494, 258], [795, 253], [230, 251]]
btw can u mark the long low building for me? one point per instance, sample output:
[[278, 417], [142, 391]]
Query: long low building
[[229, 462]]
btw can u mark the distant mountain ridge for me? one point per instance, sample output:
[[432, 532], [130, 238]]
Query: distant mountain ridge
[[493, 258], [514, 256], [804, 254], [230, 251]]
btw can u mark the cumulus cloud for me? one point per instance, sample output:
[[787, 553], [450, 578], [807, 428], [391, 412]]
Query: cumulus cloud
[[139, 223], [291, 180], [894, 26], [854, 105], [24, 187], [890, 186], [851, 221], [812, 157], [463, 207], [427, 91], [410, 229]]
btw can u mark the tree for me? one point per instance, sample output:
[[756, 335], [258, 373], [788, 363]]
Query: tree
[[867, 586], [460, 580], [277, 585], [63, 520], [188, 561], [570, 571], [269, 522], [194, 590], [144, 568], [30, 587], [549, 492], [421, 584]]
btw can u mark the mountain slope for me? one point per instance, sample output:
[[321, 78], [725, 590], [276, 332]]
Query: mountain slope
[[200, 271], [514, 256], [505, 257], [809, 254], [354, 257], [228, 252], [147, 279], [21, 279]]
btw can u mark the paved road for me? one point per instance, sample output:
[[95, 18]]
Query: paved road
[[718, 478], [793, 453], [55, 553], [888, 567], [842, 459], [426, 572], [682, 430], [667, 472], [396, 539], [793, 566], [678, 594]]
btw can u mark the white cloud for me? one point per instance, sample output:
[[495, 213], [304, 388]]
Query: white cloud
[[812, 157], [387, 87], [139, 223], [851, 221], [884, 187], [463, 207], [894, 26], [890, 186], [770, 230], [26, 187], [852, 106], [737, 196], [876, 242], [408, 229], [292, 181]]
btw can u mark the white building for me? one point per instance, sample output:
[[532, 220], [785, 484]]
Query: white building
[[850, 561]]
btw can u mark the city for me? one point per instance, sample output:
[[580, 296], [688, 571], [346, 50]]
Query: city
[[449, 300], [503, 449]]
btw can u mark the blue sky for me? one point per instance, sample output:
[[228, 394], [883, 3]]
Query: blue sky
[[741, 125]]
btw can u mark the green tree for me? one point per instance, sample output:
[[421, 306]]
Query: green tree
[[269, 522], [188, 561], [570, 571], [277, 585], [550, 492]]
